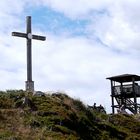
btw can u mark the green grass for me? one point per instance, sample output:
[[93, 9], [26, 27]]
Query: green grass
[[60, 117]]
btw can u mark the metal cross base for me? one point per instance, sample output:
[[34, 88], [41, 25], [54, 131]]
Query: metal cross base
[[29, 86]]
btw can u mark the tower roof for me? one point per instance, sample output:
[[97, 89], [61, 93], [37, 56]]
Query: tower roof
[[124, 78]]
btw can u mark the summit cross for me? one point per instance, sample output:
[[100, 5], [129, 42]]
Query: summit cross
[[29, 84]]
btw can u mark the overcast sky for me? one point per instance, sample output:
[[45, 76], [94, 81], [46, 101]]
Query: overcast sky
[[87, 41]]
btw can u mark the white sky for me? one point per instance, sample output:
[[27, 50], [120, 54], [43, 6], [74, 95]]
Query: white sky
[[87, 41]]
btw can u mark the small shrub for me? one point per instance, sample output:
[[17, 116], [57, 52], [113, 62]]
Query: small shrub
[[5, 135], [62, 129], [6, 103]]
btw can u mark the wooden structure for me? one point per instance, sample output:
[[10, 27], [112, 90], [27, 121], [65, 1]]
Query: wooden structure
[[28, 35], [125, 90]]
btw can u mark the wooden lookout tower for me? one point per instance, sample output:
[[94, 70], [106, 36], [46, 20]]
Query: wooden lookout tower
[[125, 92]]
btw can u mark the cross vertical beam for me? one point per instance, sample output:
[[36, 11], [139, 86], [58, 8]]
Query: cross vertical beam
[[28, 35], [29, 83], [29, 50]]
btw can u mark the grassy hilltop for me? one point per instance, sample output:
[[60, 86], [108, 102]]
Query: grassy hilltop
[[59, 117]]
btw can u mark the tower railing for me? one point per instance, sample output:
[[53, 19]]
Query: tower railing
[[127, 89]]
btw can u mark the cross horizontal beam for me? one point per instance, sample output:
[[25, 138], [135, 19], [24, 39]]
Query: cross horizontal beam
[[37, 37], [18, 34]]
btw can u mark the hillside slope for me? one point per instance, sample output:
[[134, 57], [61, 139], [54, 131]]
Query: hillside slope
[[59, 117]]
